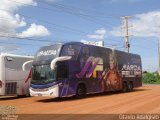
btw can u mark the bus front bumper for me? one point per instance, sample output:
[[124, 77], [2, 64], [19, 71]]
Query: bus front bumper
[[50, 92]]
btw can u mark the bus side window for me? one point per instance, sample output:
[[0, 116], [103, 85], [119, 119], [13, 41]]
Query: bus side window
[[85, 52], [62, 71], [84, 55], [71, 50]]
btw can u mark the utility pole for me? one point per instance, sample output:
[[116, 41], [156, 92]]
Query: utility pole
[[159, 56], [126, 36]]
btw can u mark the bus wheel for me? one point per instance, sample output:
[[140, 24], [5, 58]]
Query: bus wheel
[[130, 87], [81, 91], [125, 87]]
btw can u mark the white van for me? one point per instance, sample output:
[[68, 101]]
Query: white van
[[13, 80]]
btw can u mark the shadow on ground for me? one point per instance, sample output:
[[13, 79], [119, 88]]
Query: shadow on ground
[[12, 97], [73, 98]]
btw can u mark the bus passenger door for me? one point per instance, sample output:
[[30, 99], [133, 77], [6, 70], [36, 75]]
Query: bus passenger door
[[62, 77]]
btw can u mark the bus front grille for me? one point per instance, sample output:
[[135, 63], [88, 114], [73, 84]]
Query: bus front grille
[[11, 88]]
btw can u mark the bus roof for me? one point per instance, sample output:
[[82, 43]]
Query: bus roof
[[83, 44], [74, 43], [14, 55]]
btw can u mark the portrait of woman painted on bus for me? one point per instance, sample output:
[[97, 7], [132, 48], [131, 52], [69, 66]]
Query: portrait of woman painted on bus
[[112, 79]]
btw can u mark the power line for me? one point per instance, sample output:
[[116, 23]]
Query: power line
[[6, 35], [60, 27], [50, 24], [24, 38], [73, 10], [86, 16], [19, 43], [32, 39], [86, 10], [140, 46]]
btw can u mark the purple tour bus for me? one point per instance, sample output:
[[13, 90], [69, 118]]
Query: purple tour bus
[[75, 68]]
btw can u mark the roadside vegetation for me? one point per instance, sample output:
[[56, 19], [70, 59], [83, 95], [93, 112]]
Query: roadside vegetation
[[151, 78]]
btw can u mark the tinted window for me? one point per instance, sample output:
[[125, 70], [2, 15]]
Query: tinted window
[[48, 52], [85, 51], [71, 50], [62, 70], [99, 52], [84, 55], [43, 74]]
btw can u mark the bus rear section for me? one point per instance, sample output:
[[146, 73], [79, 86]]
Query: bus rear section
[[14, 81], [131, 70]]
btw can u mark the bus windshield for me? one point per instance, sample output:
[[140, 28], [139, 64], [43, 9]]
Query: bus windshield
[[48, 52], [42, 74]]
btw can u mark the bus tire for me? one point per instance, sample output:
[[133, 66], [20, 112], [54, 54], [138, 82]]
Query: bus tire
[[21, 96], [130, 87], [81, 91], [125, 87]]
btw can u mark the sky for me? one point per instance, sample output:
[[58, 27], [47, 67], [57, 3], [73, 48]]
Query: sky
[[26, 25]]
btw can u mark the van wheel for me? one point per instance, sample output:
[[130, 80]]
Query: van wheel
[[130, 87], [125, 87], [81, 91]]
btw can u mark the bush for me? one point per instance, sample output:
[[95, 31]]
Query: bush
[[151, 78]]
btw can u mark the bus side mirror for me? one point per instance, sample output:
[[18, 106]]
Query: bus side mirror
[[54, 61], [25, 64]]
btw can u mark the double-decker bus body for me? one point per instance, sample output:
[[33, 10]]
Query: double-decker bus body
[[13, 80], [77, 69]]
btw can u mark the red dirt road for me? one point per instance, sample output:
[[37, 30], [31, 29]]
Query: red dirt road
[[144, 100]]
